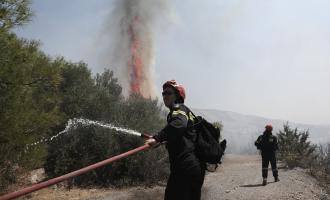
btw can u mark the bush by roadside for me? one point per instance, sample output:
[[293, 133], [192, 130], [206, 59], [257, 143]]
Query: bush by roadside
[[296, 151]]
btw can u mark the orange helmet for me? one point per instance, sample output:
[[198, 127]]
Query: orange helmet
[[269, 127], [176, 86]]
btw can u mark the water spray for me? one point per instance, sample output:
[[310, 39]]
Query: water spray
[[73, 124]]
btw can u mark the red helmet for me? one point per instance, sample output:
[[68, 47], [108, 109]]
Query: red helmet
[[269, 127], [178, 87]]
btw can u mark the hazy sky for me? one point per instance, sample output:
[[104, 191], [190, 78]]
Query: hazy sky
[[267, 58]]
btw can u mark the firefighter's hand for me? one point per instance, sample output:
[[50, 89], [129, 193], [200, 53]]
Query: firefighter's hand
[[151, 142]]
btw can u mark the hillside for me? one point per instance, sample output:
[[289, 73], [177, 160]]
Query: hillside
[[242, 130]]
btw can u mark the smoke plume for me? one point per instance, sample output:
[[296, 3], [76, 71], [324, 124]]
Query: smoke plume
[[131, 48]]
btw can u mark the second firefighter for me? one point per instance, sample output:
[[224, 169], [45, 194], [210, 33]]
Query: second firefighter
[[267, 144]]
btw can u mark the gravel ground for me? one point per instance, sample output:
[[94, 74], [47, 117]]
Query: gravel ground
[[240, 178]]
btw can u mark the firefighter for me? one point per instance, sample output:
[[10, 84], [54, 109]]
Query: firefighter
[[186, 171], [267, 144]]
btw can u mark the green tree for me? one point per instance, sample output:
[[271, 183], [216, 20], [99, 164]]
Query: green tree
[[294, 149], [106, 98], [29, 83], [14, 13], [76, 89]]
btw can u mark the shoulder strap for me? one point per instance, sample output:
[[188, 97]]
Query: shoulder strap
[[195, 119], [180, 112]]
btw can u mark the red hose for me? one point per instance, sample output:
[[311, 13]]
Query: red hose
[[53, 181]]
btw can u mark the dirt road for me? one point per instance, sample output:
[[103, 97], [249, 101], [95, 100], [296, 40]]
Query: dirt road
[[239, 178]]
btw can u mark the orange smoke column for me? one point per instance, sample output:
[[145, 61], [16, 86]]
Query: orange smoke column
[[131, 50], [136, 60]]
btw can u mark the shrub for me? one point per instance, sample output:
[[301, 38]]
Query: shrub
[[294, 149], [321, 166]]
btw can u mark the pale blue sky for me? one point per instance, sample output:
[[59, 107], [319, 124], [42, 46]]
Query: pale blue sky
[[267, 58]]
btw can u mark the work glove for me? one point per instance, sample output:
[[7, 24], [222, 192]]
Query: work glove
[[152, 142]]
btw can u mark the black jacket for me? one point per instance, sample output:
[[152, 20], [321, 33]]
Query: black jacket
[[180, 139], [267, 142]]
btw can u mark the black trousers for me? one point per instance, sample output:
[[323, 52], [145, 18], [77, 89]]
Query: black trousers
[[269, 157], [185, 186]]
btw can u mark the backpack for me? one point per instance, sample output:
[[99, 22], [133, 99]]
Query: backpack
[[207, 146]]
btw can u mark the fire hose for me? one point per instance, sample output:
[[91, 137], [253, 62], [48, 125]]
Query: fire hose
[[53, 181]]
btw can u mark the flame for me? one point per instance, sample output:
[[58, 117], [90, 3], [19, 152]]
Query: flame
[[136, 61], [132, 55]]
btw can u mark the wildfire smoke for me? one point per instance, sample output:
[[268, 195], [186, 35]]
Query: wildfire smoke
[[132, 52]]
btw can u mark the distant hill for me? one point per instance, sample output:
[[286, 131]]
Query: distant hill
[[242, 130]]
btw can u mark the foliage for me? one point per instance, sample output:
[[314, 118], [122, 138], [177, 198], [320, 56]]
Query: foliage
[[294, 149], [14, 13], [76, 89], [106, 98], [320, 168], [29, 83]]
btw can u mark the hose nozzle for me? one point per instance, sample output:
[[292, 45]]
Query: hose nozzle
[[146, 136]]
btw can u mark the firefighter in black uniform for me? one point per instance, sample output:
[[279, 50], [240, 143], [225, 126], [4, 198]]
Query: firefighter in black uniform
[[267, 144], [186, 171]]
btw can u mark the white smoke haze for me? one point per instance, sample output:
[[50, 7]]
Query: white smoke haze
[[139, 17], [241, 131], [266, 58]]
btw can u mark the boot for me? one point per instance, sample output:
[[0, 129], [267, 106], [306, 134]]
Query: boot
[[277, 179], [264, 182]]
